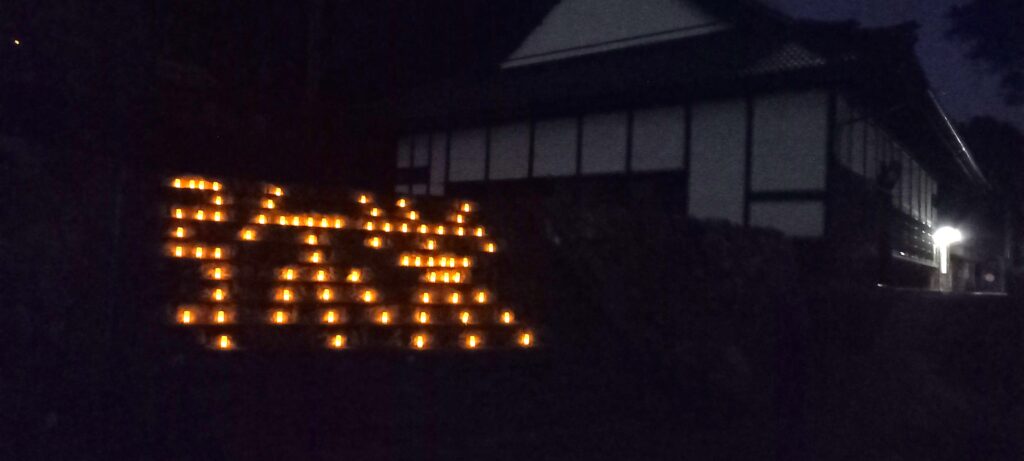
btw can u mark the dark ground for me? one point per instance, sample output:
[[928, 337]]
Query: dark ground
[[663, 338]]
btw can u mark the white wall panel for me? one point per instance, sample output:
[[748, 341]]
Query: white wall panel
[[658, 139], [403, 152], [790, 141], [717, 167], [419, 189], [796, 219], [438, 165], [467, 155], [555, 147], [421, 151], [604, 143], [510, 151]]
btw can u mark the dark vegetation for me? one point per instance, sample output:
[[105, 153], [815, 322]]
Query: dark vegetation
[[661, 337]]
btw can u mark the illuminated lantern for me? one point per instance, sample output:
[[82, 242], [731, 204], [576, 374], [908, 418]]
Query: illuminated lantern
[[282, 221], [288, 274], [430, 244], [179, 213], [375, 212], [417, 261], [460, 219], [404, 228], [216, 186], [177, 183], [368, 225], [455, 298], [218, 200], [480, 297], [460, 231], [285, 295], [490, 247], [465, 317], [354, 276], [191, 183], [200, 215], [337, 342], [179, 232], [439, 230], [321, 275], [338, 223], [413, 216], [507, 317], [269, 204], [525, 339], [422, 317], [479, 232], [402, 203], [457, 277], [466, 207], [375, 242], [419, 341], [465, 261], [472, 341], [423, 229], [430, 261], [217, 216], [224, 342], [386, 227], [198, 252], [179, 251], [295, 220], [385, 317], [277, 191], [217, 253], [202, 184], [217, 274], [405, 261], [279, 317], [363, 198], [330, 317], [221, 316], [324, 222], [368, 296], [425, 297], [219, 294], [310, 221], [316, 257], [326, 294], [311, 239], [431, 277], [186, 317], [248, 234]]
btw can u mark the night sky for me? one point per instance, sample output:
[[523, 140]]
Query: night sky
[[963, 87]]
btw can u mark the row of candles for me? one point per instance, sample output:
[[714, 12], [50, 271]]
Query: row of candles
[[418, 341], [222, 315]]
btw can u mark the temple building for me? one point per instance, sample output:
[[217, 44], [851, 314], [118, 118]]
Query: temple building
[[827, 132]]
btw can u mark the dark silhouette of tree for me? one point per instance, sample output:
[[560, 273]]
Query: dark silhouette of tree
[[992, 30]]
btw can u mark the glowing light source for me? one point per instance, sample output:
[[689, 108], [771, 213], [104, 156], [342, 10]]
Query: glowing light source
[[200, 215], [455, 298], [268, 204], [404, 228], [186, 317], [330, 317], [480, 297], [274, 190], [375, 212], [466, 207], [311, 239], [179, 232], [419, 340], [507, 317], [198, 252], [490, 247], [479, 231], [217, 273], [422, 317], [221, 316], [179, 251], [413, 215], [285, 295], [339, 223], [386, 227], [472, 341], [321, 275], [465, 317], [423, 229], [375, 242], [219, 294], [326, 294], [176, 183], [439, 230], [224, 342], [316, 257], [525, 339], [385, 317], [368, 296], [943, 237], [288, 274], [363, 199], [218, 253], [248, 235], [402, 203], [218, 200], [424, 297], [337, 341], [279, 316], [179, 213], [295, 220], [216, 186], [354, 276], [430, 244]]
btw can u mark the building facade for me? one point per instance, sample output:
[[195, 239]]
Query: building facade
[[826, 132]]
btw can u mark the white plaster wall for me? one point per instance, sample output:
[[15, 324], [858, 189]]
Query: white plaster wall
[[468, 155], [789, 148], [659, 139], [510, 151], [717, 167], [604, 143], [554, 151]]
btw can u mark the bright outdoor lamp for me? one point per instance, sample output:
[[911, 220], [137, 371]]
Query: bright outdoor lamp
[[943, 238]]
